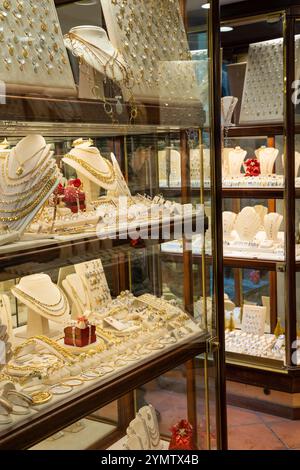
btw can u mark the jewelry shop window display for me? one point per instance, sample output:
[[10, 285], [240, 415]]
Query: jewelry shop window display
[[260, 208], [86, 326]]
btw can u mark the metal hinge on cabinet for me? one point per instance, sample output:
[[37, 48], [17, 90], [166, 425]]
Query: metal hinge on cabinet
[[213, 345], [280, 267]]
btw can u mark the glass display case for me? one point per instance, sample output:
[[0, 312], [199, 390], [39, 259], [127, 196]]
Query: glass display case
[[260, 206], [98, 348]]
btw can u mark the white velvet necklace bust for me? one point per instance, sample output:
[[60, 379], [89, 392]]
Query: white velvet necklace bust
[[92, 157], [92, 44], [40, 288]]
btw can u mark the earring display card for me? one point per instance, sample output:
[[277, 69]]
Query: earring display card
[[151, 37], [263, 91], [263, 96], [33, 55], [254, 318]]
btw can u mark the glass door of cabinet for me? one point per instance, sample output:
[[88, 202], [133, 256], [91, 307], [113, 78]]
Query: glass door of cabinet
[[127, 238]]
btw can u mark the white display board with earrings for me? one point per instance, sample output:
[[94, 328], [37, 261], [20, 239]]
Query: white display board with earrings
[[33, 55]]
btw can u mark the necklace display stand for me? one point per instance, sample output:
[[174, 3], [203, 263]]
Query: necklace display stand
[[77, 294], [262, 211], [148, 415], [247, 224], [236, 159], [91, 43], [138, 428], [6, 315], [229, 219], [272, 223], [92, 169], [122, 188], [45, 301], [228, 105], [29, 176], [266, 157], [225, 161]]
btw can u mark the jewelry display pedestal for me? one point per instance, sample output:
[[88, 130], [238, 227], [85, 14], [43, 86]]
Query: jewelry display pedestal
[[91, 189], [36, 325], [38, 293]]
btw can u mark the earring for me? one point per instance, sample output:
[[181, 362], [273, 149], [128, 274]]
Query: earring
[[7, 4]]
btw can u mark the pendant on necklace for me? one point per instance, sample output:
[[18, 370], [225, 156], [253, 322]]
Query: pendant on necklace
[[19, 171]]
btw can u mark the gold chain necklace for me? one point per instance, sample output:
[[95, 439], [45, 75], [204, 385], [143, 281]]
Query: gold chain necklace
[[49, 309], [65, 355], [24, 213], [36, 170], [83, 303], [96, 173], [20, 169], [33, 189]]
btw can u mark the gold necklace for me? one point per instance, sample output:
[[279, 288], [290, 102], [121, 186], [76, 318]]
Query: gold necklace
[[66, 355], [49, 309], [109, 179], [37, 170], [76, 295], [33, 189], [20, 169], [25, 212]]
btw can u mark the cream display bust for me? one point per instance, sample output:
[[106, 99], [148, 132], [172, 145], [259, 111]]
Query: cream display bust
[[267, 157], [45, 301], [27, 154], [236, 158], [247, 223], [272, 223], [28, 177], [92, 44], [90, 165]]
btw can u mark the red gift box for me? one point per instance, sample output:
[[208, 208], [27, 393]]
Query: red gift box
[[80, 337]]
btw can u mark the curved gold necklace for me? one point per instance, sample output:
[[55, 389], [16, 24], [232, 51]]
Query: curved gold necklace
[[20, 169], [33, 189], [35, 170], [35, 203], [109, 179], [46, 308]]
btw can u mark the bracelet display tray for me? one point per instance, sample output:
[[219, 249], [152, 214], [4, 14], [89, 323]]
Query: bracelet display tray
[[86, 386]]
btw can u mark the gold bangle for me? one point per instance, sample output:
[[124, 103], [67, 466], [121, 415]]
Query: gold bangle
[[39, 398], [6, 405]]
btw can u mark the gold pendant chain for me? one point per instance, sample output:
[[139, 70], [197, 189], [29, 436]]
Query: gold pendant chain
[[37, 170], [20, 170], [96, 173], [27, 211]]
